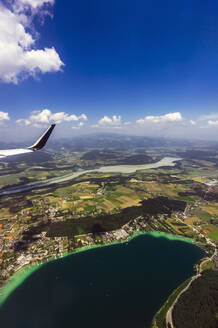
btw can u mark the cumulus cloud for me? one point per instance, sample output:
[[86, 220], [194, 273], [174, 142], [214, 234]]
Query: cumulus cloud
[[210, 122], [38, 118], [192, 122], [19, 57], [109, 122], [4, 117], [35, 3], [115, 120], [206, 117], [78, 126], [170, 117]]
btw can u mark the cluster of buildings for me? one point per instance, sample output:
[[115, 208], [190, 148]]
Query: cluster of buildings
[[44, 248]]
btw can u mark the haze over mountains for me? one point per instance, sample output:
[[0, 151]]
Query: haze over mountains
[[113, 141]]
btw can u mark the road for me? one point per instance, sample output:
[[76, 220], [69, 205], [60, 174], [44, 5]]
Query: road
[[169, 319]]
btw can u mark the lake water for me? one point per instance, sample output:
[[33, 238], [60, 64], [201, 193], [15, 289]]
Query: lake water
[[120, 285]]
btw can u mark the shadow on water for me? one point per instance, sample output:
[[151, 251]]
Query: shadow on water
[[120, 285]]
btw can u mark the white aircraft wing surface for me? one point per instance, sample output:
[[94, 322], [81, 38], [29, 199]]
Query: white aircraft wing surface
[[39, 144]]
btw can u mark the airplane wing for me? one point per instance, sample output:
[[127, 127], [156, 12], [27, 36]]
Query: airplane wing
[[39, 144]]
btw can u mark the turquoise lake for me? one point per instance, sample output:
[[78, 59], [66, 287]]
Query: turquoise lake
[[121, 285]]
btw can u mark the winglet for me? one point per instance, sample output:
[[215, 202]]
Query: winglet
[[40, 143]]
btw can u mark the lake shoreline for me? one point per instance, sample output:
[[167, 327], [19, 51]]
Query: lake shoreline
[[24, 272]]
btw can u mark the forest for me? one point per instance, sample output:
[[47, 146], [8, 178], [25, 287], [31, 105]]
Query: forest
[[198, 306]]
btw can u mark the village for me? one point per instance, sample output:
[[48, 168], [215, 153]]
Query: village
[[40, 248]]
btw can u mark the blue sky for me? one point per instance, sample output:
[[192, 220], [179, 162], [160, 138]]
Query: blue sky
[[139, 67]]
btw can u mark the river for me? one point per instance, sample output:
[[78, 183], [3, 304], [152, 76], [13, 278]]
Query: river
[[121, 285], [166, 161]]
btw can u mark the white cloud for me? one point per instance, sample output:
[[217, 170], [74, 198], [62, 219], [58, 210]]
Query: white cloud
[[78, 126], [95, 126], [206, 117], [212, 122], [83, 117], [115, 120], [170, 117], [19, 57], [141, 121], [46, 116], [4, 117], [192, 122], [35, 3]]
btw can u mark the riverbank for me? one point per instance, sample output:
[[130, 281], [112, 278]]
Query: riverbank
[[123, 169], [23, 273]]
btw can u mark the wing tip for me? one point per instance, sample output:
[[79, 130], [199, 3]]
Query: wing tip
[[40, 143]]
